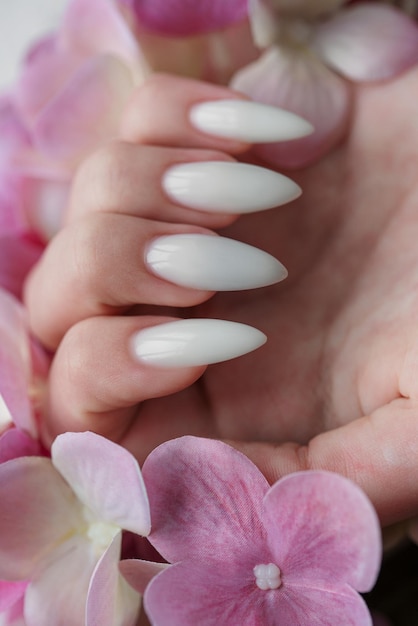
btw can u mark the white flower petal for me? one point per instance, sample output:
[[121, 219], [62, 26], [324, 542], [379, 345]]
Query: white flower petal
[[300, 83], [368, 42]]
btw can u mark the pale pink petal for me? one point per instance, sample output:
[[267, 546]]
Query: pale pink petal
[[38, 510], [140, 573], [47, 67], [18, 254], [13, 132], [57, 594], [15, 361], [323, 531], [205, 500], [96, 27], [86, 111], [14, 616], [368, 42], [301, 84], [111, 601], [15, 443], [105, 477], [314, 606], [12, 215], [205, 592], [10, 593], [187, 17]]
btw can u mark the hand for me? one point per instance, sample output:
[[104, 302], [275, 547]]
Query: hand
[[338, 375]]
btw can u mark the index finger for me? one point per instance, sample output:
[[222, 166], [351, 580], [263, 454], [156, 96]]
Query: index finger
[[175, 111]]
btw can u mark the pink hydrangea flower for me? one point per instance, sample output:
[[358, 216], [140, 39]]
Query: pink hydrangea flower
[[313, 51], [67, 102], [247, 553], [61, 528]]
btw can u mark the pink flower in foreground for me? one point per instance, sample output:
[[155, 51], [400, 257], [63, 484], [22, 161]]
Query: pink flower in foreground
[[312, 51], [61, 527], [247, 553]]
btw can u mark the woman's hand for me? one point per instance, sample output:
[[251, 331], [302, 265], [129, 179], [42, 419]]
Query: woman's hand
[[338, 375]]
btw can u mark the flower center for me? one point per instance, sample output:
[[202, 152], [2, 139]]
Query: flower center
[[294, 32], [101, 535], [267, 576]]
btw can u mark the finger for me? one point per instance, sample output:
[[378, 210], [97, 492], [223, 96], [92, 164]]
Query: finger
[[173, 111], [104, 367], [114, 262], [200, 187], [378, 452]]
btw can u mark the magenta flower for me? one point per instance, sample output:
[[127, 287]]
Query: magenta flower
[[61, 527], [247, 553], [312, 52], [187, 17]]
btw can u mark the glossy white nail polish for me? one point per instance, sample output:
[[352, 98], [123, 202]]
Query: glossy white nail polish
[[193, 342], [228, 187], [212, 263], [248, 121]]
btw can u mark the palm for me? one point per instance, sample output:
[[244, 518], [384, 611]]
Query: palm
[[342, 328]]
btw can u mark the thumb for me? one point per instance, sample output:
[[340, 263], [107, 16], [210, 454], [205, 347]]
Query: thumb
[[379, 452]]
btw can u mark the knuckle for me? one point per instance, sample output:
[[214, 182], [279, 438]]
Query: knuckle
[[99, 181]]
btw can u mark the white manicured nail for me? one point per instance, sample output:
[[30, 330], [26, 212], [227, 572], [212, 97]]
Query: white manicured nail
[[212, 263], [248, 121], [192, 342], [228, 187]]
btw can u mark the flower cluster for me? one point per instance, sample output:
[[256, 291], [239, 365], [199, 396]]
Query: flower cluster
[[229, 548], [235, 549]]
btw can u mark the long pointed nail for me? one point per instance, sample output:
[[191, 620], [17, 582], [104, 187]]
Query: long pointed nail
[[212, 263], [228, 187], [248, 121], [194, 342]]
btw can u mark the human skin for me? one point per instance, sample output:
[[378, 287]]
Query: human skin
[[336, 385]]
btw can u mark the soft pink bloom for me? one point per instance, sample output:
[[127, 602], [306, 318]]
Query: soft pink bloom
[[313, 51], [247, 553], [61, 528], [68, 101]]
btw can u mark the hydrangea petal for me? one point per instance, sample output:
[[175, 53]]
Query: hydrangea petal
[[139, 573], [111, 601], [86, 112], [188, 17], [37, 510], [46, 68], [95, 27], [57, 594], [368, 42], [205, 499], [313, 606], [299, 83], [10, 593], [15, 361], [18, 254], [209, 593], [105, 477], [322, 531], [15, 443]]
